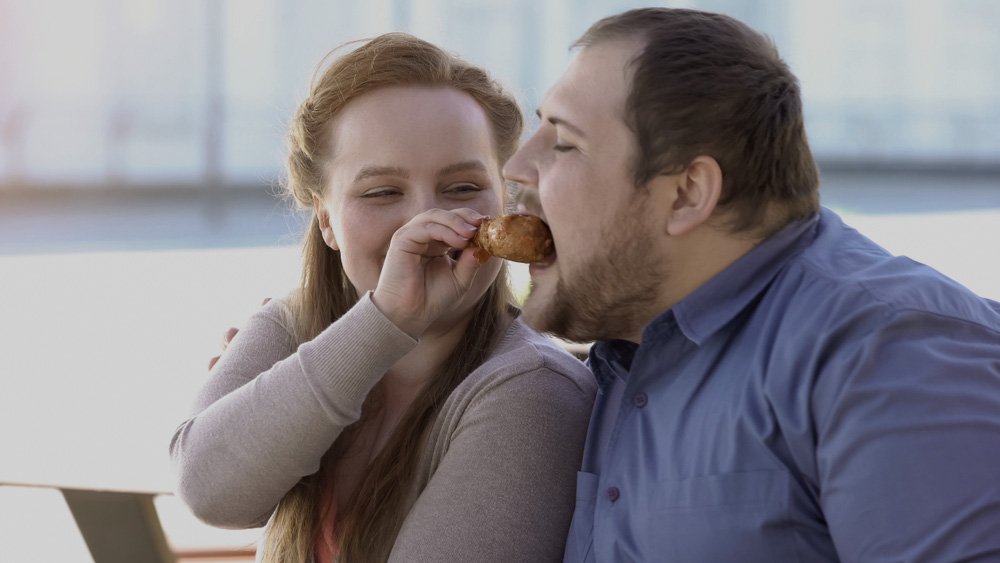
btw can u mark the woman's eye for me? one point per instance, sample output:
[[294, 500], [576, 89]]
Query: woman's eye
[[461, 189], [559, 147], [381, 192]]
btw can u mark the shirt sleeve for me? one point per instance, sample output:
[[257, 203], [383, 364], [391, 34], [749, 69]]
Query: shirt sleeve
[[909, 442], [270, 411], [505, 489]]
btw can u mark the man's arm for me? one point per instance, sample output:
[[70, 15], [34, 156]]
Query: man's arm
[[909, 443]]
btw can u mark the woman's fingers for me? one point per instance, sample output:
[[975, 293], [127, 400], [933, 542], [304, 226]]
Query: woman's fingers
[[419, 280], [470, 216], [466, 267], [434, 232]]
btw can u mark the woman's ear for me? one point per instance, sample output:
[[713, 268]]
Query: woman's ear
[[698, 189], [323, 218]]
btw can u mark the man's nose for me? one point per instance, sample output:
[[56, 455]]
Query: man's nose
[[526, 201], [521, 168], [521, 174]]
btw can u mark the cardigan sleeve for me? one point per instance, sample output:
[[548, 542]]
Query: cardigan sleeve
[[504, 490], [270, 410]]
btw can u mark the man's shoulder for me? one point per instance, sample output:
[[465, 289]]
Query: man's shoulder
[[846, 274]]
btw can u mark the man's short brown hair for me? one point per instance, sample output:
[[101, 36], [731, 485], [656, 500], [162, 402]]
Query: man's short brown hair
[[706, 84]]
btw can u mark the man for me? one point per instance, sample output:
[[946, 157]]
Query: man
[[775, 387]]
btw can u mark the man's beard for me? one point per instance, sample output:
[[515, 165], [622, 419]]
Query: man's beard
[[610, 296]]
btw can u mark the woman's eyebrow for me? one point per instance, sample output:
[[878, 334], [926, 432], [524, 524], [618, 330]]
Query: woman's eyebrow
[[466, 166], [371, 171]]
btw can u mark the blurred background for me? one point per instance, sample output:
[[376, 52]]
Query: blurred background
[[141, 146]]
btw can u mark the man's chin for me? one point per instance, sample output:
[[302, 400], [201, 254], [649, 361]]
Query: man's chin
[[550, 312], [533, 309], [537, 309]]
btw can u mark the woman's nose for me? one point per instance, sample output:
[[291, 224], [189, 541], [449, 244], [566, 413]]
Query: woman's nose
[[428, 200], [430, 197]]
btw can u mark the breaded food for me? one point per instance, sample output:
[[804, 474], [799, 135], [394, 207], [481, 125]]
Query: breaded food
[[519, 238]]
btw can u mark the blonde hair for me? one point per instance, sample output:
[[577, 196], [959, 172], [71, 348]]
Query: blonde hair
[[375, 512]]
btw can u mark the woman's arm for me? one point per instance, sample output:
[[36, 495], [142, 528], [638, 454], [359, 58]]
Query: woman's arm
[[270, 412]]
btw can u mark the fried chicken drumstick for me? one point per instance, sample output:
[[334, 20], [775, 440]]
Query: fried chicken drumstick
[[520, 238]]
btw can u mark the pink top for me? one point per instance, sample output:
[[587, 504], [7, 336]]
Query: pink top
[[327, 547]]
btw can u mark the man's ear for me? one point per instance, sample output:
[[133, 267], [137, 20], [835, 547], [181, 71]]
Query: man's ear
[[323, 217], [698, 188]]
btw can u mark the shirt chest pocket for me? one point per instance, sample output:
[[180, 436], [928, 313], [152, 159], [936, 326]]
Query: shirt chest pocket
[[580, 542], [728, 517]]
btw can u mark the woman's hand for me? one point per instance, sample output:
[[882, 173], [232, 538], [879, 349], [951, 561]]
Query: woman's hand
[[419, 280]]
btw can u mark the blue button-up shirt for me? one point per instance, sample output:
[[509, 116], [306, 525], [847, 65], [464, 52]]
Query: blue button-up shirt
[[818, 400]]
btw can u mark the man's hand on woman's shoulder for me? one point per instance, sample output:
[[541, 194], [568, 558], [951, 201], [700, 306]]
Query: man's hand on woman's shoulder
[[227, 338]]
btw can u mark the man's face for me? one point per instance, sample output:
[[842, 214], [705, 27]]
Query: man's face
[[575, 172]]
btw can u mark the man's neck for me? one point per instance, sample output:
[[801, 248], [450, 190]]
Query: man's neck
[[694, 260]]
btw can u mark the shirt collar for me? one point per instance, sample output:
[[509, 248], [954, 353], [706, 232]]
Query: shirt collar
[[716, 302], [611, 358]]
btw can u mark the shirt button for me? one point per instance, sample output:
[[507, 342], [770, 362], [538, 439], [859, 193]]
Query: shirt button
[[613, 494], [640, 400]]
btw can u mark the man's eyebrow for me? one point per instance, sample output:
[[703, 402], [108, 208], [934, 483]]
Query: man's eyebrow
[[562, 123], [372, 171], [466, 166]]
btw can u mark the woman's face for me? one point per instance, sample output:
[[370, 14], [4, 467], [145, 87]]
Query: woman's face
[[399, 151]]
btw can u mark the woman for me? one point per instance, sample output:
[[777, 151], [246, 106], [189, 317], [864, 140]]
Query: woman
[[393, 408]]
